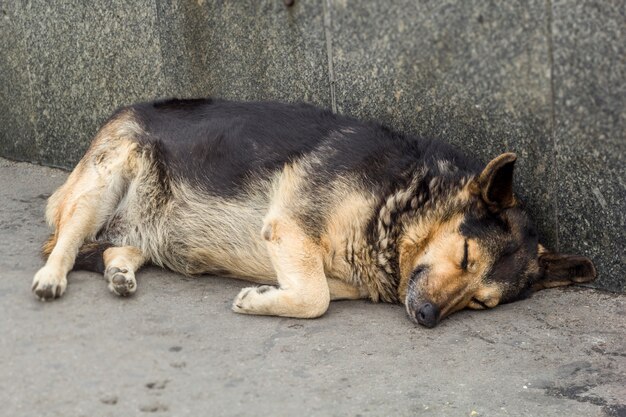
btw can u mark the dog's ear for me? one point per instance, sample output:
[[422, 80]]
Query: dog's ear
[[558, 270], [495, 184]]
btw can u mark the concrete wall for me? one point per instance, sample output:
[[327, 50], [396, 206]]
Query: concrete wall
[[545, 79]]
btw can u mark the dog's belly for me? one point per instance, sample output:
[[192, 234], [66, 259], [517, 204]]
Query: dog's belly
[[194, 232], [212, 234], [228, 243]]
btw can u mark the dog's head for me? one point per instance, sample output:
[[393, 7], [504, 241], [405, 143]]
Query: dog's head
[[486, 253]]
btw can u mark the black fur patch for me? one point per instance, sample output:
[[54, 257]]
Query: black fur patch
[[90, 257], [219, 145], [512, 241]]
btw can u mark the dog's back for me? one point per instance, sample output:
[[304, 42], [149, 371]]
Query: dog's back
[[221, 145]]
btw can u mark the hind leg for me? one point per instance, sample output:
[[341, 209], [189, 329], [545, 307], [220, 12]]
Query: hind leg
[[120, 265], [80, 208], [80, 218]]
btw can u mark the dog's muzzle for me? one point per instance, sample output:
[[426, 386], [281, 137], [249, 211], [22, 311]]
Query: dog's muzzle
[[420, 310]]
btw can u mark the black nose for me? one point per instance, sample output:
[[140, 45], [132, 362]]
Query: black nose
[[427, 315]]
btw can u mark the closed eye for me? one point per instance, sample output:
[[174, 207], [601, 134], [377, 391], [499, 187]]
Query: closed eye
[[464, 261]]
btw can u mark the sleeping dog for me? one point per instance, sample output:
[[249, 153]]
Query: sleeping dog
[[312, 205]]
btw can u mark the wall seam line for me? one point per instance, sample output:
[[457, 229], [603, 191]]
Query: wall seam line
[[326, 5], [555, 144], [157, 22]]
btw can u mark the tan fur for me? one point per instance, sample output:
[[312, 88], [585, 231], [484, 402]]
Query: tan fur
[[344, 228], [219, 234], [422, 230], [344, 238], [127, 257], [340, 290], [302, 265], [309, 273], [440, 245], [303, 289]]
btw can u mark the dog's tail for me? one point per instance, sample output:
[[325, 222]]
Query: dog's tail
[[89, 257], [48, 246]]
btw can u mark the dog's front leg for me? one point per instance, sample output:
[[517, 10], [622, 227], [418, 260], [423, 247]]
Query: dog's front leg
[[303, 289]]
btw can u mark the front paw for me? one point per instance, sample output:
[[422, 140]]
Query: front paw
[[121, 281], [49, 284], [250, 299]]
